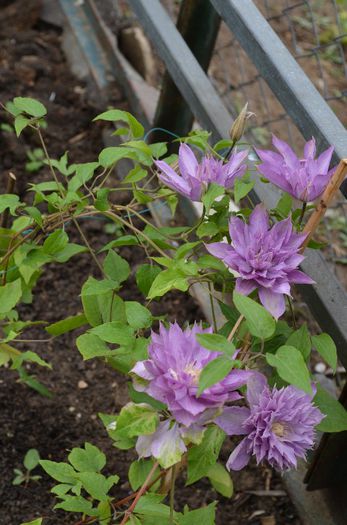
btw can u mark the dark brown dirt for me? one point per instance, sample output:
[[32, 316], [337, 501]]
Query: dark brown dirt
[[69, 418]]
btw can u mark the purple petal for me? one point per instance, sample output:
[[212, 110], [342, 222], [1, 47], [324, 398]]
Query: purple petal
[[275, 177], [324, 159], [310, 149], [221, 250], [239, 457], [232, 419], [255, 386], [273, 302], [245, 286], [259, 220], [171, 179], [298, 277], [286, 151], [187, 162]]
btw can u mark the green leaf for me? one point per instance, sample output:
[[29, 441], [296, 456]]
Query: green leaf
[[260, 322], [336, 414], [220, 480], [84, 172], [114, 115], [214, 191], [150, 506], [32, 107], [203, 516], [66, 325], [115, 267], [135, 175], [325, 346], [62, 472], [28, 356], [97, 298], [139, 471], [31, 459], [77, 504], [101, 202], [208, 261], [242, 188], [214, 372], [217, 343], [145, 276], [284, 205], [291, 367], [89, 459], [167, 280], [10, 295], [20, 123], [55, 242], [207, 229], [96, 484], [201, 457], [10, 201], [301, 340], [136, 420], [125, 240], [90, 345], [114, 332], [138, 316]]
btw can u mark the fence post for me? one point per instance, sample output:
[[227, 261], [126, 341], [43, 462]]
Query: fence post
[[198, 23]]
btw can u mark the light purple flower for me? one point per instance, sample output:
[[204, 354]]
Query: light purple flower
[[265, 258], [194, 176], [305, 179], [171, 375], [279, 425], [165, 444]]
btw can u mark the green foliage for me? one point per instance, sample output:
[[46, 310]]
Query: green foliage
[[82, 475], [325, 345], [336, 414], [259, 321], [291, 367], [201, 457], [30, 462]]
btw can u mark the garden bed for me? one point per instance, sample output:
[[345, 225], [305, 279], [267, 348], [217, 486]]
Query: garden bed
[[33, 64]]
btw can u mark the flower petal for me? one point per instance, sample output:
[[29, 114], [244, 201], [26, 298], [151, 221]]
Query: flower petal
[[221, 250], [232, 419], [298, 277], [187, 162], [239, 457], [255, 386], [273, 302]]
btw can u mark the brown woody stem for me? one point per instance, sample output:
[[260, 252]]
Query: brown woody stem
[[332, 187]]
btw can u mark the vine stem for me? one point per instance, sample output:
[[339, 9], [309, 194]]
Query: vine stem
[[139, 494], [303, 209], [329, 192], [86, 242], [212, 307], [235, 327], [172, 494]]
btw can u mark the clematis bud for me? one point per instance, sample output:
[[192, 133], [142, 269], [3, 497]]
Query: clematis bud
[[238, 127]]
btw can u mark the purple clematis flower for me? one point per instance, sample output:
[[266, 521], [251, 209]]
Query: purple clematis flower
[[171, 375], [165, 444], [279, 425], [195, 177], [305, 179], [265, 258]]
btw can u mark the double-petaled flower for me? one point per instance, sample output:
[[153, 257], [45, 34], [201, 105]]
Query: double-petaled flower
[[171, 375], [305, 179], [265, 258], [195, 177], [278, 425]]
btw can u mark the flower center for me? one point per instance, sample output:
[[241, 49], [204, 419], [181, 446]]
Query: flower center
[[278, 429], [193, 372]]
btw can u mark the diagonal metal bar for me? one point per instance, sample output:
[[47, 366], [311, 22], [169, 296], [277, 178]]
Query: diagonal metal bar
[[292, 87], [327, 299]]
